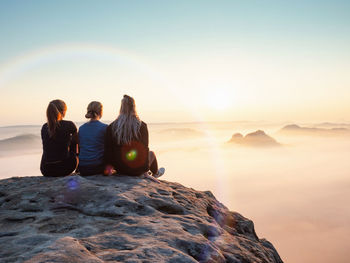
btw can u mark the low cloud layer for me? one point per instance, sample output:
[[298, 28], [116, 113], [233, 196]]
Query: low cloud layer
[[296, 194]]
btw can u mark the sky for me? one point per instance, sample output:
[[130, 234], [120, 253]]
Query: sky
[[182, 61]]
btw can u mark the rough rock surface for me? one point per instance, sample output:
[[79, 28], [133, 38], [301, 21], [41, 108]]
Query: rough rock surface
[[121, 219]]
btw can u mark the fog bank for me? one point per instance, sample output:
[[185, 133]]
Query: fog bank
[[296, 194]]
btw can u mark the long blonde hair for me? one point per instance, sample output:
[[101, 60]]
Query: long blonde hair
[[127, 126], [54, 113]]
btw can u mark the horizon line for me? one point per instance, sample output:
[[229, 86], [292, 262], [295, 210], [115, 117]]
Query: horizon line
[[194, 122]]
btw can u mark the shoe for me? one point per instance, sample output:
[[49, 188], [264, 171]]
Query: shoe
[[160, 172]]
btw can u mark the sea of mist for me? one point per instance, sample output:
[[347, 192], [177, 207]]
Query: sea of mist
[[297, 194]]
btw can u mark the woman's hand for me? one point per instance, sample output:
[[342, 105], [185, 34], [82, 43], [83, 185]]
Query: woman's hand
[[109, 170]]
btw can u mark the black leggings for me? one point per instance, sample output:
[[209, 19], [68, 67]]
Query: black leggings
[[153, 164], [59, 168], [91, 169]]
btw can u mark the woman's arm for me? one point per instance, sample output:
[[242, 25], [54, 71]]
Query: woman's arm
[[74, 145], [75, 142], [144, 134], [108, 152]]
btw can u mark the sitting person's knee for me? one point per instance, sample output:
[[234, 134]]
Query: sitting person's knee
[[151, 155]]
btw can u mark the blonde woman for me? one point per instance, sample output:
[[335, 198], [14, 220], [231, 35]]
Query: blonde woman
[[59, 138], [126, 145], [91, 141]]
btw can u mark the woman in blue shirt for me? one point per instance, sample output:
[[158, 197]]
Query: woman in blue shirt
[[91, 141]]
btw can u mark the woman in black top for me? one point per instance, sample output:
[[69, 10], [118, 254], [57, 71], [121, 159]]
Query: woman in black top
[[59, 140], [126, 144]]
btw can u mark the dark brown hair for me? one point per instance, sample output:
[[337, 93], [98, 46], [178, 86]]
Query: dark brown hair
[[54, 113]]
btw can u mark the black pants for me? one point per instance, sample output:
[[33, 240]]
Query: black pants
[[59, 168], [154, 165]]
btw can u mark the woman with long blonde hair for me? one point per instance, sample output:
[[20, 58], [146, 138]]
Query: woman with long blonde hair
[[59, 138], [126, 144]]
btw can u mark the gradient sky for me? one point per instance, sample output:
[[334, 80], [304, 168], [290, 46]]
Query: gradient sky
[[181, 60]]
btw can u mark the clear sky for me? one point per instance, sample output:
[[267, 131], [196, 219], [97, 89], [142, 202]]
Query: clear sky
[[180, 60]]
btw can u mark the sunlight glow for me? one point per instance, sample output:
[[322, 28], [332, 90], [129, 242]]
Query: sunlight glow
[[218, 99]]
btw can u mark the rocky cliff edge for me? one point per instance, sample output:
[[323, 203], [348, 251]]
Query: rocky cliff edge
[[121, 219]]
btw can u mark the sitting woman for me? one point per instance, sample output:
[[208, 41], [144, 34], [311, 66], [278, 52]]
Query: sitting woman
[[126, 144], [91, 141], [59, 138]]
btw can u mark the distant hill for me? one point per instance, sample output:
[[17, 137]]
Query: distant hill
[[255, 139], [20, 142], [333, 125], [298, 130]]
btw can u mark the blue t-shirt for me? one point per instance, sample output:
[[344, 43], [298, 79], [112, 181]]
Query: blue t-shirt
[[91, 142]]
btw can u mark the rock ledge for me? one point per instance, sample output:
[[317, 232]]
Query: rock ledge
[[121, 219]]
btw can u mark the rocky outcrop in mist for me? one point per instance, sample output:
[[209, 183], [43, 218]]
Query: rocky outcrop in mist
[[255, 139], [293, 129], [121, 219]]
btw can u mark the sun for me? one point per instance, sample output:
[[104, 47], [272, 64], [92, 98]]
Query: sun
[[218, 99]]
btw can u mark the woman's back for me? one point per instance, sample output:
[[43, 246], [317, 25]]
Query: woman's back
[[57, 147], [91, 142], [130, 158]]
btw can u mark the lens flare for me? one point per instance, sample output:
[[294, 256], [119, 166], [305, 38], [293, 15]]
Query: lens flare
[[72, 184], [131, 155]]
